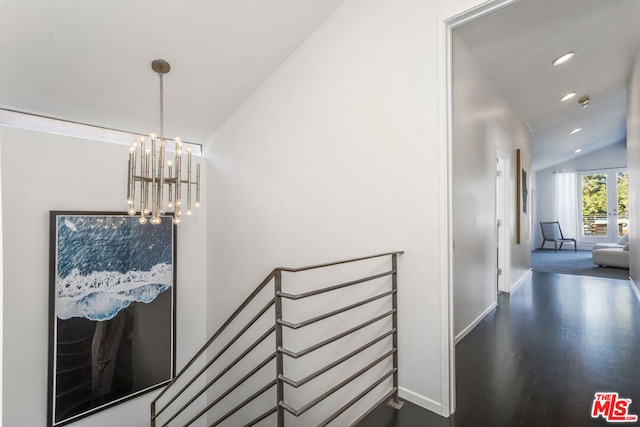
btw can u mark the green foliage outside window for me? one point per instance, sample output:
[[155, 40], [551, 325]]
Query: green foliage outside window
[[594, 195], [623, 195]]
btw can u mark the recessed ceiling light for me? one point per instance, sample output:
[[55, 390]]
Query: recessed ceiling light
[[568, 96], [578, 150], [564, 58], [576, 130]]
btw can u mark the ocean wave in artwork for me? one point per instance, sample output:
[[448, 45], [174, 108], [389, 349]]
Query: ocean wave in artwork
[[102, 294]]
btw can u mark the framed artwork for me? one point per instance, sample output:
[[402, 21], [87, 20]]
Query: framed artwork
[[523, 204], [112, 311]]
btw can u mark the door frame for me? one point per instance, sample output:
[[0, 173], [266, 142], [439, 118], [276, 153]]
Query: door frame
[[612, 204], [502, 212], [445, 100]]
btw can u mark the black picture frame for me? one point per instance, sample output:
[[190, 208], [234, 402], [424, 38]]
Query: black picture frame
[[112, 311]]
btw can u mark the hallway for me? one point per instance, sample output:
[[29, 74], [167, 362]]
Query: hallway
[[538, 359]]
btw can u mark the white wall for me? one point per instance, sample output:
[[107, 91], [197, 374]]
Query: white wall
[[614, 156], [633, 153], [544, 204], [43, 172], [340, 154], [1, 293], [483, 121]]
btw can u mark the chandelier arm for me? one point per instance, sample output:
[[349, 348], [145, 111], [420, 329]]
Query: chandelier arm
[[189, 181]]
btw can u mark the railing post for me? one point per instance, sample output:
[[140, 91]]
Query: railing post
[[279, 355], [396, 403], [153, 414]]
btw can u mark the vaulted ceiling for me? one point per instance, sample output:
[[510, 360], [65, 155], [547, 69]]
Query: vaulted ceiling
[[515, 47], [90, 61]]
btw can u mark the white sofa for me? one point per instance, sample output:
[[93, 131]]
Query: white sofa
[[612, 254], [619, 244]]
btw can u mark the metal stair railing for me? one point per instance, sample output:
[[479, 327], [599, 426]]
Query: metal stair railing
[[176, 404]]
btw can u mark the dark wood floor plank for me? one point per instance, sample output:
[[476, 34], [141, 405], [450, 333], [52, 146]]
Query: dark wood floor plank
[[539, 358]]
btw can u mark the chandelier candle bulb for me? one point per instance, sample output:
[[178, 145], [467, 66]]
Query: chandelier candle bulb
[[176, 215]]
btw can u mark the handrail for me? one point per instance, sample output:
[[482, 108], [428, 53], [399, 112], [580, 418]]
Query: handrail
[[333, 313], [242, 404], [332, 390], [261, 417], [217, 334], [384, 398], [276, 331], [314, 347], [335, 287], [331, 264], [230, 389], [335, 363], [393, 392], [220, 375], [217, 356]]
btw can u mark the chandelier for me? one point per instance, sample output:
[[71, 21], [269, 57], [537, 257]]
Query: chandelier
[[150, 179]]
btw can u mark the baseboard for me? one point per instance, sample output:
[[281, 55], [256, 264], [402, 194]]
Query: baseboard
[[634, 287], [522, 280], [420, 400], [473, 324]]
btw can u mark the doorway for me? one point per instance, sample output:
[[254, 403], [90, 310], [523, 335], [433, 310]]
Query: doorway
[[476, 210], [503, 272], [612, 222]]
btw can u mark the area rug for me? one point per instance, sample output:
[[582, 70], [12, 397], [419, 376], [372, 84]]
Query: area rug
[[570, 262]]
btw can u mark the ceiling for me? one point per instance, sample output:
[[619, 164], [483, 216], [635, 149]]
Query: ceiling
[[90, 61], [516, 46]]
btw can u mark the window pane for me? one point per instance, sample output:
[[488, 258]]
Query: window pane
[[594, 205], [623, 203]]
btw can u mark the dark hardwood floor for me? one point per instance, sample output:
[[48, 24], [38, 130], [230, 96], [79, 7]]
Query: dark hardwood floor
[[539, 358]]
